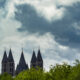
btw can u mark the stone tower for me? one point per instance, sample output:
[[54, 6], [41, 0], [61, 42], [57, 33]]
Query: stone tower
[[22, 64], [4, 63], [8, 64], [39, 62], [33, 60], [11, 64]]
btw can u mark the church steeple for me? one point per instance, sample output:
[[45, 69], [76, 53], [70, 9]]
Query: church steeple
[[22, 64], [11, 64], [39, 60], [10, 57], [4, 63], [39, 57], [8, 64], [22, 60], [4, 60], [33, 60]]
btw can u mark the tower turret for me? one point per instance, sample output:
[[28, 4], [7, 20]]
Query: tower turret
[[4, 63], [10, 57], [22, 64], [33, 60], [39, 60], [11, 64]]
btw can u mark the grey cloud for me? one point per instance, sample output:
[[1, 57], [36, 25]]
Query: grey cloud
[[63, 30], [60, 54], [2, 3]]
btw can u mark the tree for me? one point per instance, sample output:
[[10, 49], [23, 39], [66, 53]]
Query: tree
[[60, 72], [75, 72], [6, 76], [31, 74]]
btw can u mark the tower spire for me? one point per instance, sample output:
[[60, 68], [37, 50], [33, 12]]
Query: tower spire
[[22, 64], [33, 60], [39, 57], [39, 60], [22, 59], [4, 63], [4, 57], [10, 57], [22, 49]]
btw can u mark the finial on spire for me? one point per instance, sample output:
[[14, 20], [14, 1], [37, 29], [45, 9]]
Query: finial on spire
[[10, 56], [4, 48], [22, 49], [33, 49], [39, 48]]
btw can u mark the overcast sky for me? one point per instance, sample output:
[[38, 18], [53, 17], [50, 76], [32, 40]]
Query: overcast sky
[[52, 25]]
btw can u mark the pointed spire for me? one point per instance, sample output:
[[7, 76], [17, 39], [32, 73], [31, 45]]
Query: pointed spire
[[22, 59], [33, 59], [39, 57], [10, 57], [4, 57], [22, 64]]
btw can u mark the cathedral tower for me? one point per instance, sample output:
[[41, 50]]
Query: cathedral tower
[[11, 64], [33, 60], [4, 63], [39, 62], [22, 64], [8, 64]]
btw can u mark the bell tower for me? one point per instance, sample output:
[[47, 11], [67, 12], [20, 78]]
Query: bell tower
[[4, 63], [33, 60], [11, 64], [39, 62]]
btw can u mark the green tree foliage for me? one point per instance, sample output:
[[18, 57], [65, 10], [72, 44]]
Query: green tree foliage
[[58, 72], [31, 74], [75, 71], [6, 76]]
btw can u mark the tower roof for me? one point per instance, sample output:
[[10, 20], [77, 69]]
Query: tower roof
[[33, 59], [22, 64], [4, 57], [22, 59], [10, 57], [39, 57]]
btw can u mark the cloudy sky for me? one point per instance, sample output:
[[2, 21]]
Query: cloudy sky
[[52, 25]]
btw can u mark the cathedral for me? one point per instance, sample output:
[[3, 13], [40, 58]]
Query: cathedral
[[8, 64]]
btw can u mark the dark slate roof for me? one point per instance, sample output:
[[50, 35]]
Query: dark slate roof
[[39, 57], [10, 57], [22, 59], [22, 64], [4, 57], [33, 59], [21, 68]]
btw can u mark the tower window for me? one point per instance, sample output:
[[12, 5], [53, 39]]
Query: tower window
[[4, 70], [11, 64], [11, 69], [4, 65]]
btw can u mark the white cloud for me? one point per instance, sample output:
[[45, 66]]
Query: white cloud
[[45, 8], [68, 2], [10, 37], [76, 26], [49, 8]]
